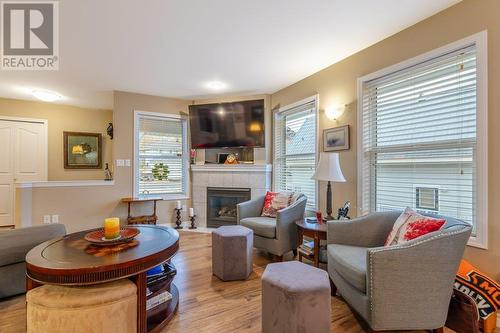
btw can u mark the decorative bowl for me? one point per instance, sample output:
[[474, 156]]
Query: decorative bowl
[[97, 236]]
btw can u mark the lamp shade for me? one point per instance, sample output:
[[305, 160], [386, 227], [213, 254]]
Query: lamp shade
[[328, 168]]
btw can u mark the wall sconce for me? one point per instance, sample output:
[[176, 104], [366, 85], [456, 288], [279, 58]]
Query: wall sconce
[[335, 112]]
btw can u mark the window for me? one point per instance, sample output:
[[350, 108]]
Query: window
[[427, 199], [161, 158], [295, 142], [423, 136]]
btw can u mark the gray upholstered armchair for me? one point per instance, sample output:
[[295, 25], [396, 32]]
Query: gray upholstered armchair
[[274, 235], [401, 287]]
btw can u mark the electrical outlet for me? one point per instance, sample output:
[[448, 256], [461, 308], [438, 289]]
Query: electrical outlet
[[55, 218], [120, 163], [127, 163], [46, 219]]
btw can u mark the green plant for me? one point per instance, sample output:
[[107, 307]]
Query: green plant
[[160, 171]]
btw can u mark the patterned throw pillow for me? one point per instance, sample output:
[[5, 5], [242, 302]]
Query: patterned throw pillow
[[275, 201], [411, 225]]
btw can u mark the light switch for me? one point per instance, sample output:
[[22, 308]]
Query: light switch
[[46, 219], [55, 218], [119, 163], [127, 163]]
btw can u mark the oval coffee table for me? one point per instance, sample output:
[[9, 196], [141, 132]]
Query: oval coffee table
[[71, 260]]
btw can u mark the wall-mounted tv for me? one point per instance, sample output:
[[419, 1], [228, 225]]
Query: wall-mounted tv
[[236, 124]]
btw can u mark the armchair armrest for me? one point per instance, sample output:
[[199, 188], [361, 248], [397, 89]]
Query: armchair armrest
[[367, 231], [250, 208], [413, 282], [286, 217]]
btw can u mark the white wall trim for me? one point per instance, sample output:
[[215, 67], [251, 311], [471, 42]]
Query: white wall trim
[[64, 183], [185, 148], [480, 40]]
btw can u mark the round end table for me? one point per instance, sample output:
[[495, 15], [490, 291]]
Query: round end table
[[316, 231]]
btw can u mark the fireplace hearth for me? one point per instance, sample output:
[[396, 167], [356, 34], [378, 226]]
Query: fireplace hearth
[[221, 205]]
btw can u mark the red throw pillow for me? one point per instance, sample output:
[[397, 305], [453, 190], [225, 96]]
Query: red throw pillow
[[275, 201], [411, 225]]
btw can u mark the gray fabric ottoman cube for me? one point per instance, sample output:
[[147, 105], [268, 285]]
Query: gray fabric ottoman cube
[[232, 252], [295, 298]]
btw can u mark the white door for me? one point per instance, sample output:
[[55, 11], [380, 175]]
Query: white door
[[23, 157]]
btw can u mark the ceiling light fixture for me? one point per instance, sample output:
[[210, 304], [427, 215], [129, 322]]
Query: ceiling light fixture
[[216, 85], [46, 96]]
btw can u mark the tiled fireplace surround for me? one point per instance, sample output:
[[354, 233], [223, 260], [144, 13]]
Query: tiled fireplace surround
[[255, 177]]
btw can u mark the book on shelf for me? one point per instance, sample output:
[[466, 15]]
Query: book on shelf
[[158, 300]]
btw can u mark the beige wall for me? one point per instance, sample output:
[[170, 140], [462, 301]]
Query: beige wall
[[81, 208], [337, 85], [64, 118]]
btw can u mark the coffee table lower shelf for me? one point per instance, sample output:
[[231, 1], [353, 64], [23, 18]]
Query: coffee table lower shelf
[[158, 321]]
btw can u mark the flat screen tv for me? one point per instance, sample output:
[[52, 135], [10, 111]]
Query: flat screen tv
[[236, 124]]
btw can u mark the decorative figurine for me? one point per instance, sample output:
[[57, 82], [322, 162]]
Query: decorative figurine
[[107, 173]]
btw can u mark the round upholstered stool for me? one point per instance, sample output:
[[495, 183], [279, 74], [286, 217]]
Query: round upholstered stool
[[232, 252], [107, 307], [295, 298]]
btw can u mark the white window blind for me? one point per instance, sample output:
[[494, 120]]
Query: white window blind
[[295, 151], [161, 155], [419, 131]]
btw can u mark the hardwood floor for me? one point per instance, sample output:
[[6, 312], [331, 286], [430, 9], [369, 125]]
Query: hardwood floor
[[207, 304]]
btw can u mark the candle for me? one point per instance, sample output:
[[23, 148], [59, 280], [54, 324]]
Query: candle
[[178, 204], [111, 227], [191, 212]]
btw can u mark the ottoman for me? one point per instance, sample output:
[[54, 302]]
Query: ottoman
[[107, 307], [295, 298], [232, 252]]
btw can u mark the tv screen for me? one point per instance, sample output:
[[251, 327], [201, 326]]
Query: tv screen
[[237, 124]]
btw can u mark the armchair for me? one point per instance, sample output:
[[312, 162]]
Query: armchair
[[401, 287], [274, 235]]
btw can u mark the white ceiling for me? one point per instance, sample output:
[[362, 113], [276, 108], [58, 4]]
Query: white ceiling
[[173, 48]]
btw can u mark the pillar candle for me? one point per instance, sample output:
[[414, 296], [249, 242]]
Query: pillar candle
[[111, 227], [179, 204], [191, 211]]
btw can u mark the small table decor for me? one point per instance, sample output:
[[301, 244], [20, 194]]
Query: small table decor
[[97, 237]]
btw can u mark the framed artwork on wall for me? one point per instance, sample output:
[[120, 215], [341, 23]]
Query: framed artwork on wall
[[336, 138], [82, 150]]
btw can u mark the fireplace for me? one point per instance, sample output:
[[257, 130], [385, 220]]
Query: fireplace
[[221, 205]]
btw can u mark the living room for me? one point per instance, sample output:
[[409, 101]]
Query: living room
[[239, 162]]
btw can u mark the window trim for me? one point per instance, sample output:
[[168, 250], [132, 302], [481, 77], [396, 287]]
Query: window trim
[[480, 239], [166, 196], [315, 100]]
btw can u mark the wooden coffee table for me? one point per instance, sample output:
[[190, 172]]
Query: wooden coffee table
[[71, 260], [316, 231]]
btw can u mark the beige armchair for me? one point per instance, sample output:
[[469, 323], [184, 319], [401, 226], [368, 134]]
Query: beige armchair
[[274, 235]]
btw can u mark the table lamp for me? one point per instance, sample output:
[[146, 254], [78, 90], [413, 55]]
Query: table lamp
[[328, 169]]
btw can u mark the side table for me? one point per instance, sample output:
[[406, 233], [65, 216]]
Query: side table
[[316, 231]]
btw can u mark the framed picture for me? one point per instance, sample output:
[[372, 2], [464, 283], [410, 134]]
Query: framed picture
[[336, 138], [82, 150]]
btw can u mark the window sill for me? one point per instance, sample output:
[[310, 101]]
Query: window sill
[[166, 197], [474, 241]]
